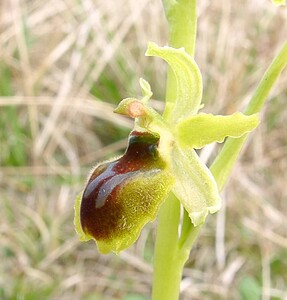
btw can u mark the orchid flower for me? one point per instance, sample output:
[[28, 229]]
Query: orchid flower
[[123, 194]]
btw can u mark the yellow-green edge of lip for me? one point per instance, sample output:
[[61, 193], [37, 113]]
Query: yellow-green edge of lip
[[77, 222]]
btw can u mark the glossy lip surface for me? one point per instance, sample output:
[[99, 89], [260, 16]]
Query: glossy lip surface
[[101, 207]]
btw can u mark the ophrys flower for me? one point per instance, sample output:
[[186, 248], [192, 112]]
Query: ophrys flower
[[123, 194]]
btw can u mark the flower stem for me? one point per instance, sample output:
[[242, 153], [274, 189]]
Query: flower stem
[[168, 261], [167, 271], [181, 16]]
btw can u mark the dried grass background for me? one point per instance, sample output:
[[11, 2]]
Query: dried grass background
[[64, 65]]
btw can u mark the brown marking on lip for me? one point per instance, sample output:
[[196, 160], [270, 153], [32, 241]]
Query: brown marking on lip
[[101, 207]]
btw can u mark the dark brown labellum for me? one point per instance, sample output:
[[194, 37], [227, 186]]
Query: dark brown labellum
[[103, 211]]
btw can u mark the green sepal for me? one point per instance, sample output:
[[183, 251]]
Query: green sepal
[[202, 129], [195, 186], [279, 2], [188, 81]]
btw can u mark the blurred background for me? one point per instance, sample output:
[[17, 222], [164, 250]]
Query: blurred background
[[64, 65]]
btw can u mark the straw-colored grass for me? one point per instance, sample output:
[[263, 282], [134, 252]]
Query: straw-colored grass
[[64, 65]]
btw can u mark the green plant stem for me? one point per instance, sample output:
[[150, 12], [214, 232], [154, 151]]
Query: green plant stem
[[181, 16], [167, 266], [168, 263]]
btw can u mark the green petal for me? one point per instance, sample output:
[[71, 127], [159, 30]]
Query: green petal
[[202, 129], [188, 81], [279, 2], [195, 186], [146, 90]]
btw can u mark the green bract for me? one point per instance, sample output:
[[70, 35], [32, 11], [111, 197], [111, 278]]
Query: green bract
[[122, 195]]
